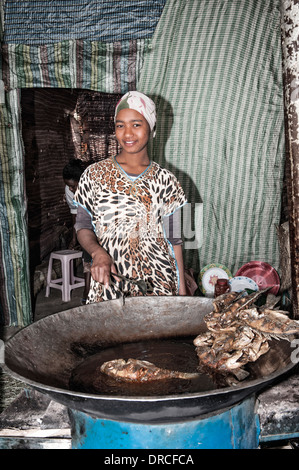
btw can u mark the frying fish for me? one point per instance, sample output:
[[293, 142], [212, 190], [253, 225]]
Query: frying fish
[[269, 322], [238, 332], [135, 370]]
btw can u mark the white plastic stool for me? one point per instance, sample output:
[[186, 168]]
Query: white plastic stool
[[68, 281]]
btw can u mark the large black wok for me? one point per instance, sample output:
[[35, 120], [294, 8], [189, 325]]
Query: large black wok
[[44, 354]]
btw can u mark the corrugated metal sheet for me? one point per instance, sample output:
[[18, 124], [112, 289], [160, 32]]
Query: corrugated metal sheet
[[36, 22]]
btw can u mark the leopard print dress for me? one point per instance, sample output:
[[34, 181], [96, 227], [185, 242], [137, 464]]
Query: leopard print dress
[[127, 217]]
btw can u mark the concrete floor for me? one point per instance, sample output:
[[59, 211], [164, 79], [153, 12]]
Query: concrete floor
[[45, 306]]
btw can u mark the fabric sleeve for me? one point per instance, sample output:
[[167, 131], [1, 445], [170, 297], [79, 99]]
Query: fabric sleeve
[[83, 219]]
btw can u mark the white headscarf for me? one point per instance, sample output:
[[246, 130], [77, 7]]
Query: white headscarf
[[141, 103]]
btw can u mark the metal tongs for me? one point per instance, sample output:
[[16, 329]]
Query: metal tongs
[[140, 283]]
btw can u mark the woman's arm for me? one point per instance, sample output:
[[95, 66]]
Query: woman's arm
[[178, 251], [102, 263]]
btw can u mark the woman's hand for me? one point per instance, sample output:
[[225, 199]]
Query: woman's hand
[[102, 263], [102, 266]]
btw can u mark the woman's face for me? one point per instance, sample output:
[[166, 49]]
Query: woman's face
[[132, 131]]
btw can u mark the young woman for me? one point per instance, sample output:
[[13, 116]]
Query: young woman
[[125, 203]]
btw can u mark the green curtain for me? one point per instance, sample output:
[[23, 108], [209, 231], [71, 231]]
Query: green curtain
[[15, 307]]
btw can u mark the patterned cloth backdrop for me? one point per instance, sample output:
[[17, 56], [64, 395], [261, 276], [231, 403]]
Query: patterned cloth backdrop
[[110, 68], [37, 22]]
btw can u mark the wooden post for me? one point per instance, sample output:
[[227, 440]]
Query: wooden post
[[290, 56]]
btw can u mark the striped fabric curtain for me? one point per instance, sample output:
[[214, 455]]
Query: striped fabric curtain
[[15, 305], [214, 70], [105, 67]]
